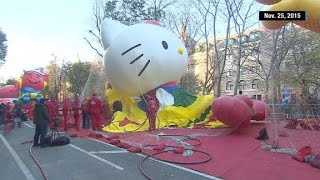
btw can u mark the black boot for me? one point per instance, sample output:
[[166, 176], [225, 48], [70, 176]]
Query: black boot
[[263, 134]]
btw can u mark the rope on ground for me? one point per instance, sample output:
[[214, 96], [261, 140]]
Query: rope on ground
[[275, 149], [209, 157], [186, 137]]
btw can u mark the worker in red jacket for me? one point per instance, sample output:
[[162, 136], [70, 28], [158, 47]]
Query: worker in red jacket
[[51, 107], [152, 109], [76, 107], [95, 110], [66, 108]]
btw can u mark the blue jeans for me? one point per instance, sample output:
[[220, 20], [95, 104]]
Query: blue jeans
[[1, 119], [85, 120]]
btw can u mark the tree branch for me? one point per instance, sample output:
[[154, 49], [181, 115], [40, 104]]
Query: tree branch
[[93, 47]]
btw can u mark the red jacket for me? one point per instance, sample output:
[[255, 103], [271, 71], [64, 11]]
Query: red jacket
[[66, 105], [94, 105], [76, 108], [152, 104]]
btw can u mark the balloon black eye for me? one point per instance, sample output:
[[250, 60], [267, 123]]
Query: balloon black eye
[[165, 45]]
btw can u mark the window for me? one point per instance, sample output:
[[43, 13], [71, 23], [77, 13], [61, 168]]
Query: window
[[255, 84], [254, 69], [242, 71], [244, 39], [229, 85], [242, 85], [255, 51], [258, 97], [229, 72], [254, 36], [231, 41]]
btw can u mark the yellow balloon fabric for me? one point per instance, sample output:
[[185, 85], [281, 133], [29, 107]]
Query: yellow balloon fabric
[[133, 119]]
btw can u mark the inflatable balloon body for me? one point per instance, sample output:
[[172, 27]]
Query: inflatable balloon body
[[261, 110], [268, 2], [137, 54], [145, 60], [28, 87], [232, 111], [311, 7], [9, 91], [246, 99], [31, 84]]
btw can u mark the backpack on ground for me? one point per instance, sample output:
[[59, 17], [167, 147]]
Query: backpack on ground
[[60, 141], [54, 139]]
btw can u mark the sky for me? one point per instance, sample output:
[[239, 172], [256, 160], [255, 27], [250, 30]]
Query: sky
[[36, 29]]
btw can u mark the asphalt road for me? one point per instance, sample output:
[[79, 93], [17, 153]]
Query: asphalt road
[[82, 159]]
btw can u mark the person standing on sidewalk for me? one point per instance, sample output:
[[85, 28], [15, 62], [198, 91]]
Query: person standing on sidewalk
[[41, 120], [17, 114]]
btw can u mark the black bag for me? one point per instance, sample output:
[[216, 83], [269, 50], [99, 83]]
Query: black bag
[[59, 141], [55, 139], [48, 139]]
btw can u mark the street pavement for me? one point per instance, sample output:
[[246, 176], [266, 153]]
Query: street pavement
[[82, 159]]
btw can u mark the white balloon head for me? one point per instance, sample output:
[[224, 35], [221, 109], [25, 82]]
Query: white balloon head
[[141, 57]]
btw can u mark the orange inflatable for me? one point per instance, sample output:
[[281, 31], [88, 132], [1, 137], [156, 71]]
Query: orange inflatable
[[311, 7], [268, 2]]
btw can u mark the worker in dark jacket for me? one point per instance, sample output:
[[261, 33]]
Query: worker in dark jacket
[[41, 120]]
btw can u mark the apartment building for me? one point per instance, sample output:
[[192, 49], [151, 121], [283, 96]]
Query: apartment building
[[250, 82]]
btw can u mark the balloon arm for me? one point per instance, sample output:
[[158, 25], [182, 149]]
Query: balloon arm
[[17, 84], [164, 98], [45, 84]]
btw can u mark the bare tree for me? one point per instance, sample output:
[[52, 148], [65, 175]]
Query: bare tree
[[273, 49], [157, 7], [94, 40], [243, 13], [221, 49], [127, 12], [204, 8], [186, 24], [301, 69]]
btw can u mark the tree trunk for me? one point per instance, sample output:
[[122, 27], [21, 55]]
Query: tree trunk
[[266, 90]]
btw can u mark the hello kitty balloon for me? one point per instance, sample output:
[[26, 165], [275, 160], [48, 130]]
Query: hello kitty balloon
[[141, 57]]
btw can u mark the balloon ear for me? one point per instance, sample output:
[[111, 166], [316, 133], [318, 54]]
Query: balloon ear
[[109, 30]]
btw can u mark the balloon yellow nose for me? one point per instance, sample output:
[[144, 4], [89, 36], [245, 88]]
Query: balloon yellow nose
[[180, 50]]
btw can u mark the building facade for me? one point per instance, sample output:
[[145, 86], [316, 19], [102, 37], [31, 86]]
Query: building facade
[[250, 82]]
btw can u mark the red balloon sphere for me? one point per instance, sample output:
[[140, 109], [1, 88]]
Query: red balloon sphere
[[246, 99], [268, 2], [261, 110], [154, 22], [9, 91], [231, 111]]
